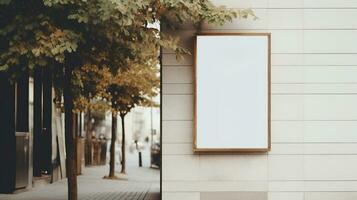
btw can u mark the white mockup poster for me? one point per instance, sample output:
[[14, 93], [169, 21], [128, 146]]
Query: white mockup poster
[[232, 92]]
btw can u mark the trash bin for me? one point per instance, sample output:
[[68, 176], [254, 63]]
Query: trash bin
[[155, 156], [22, 159]]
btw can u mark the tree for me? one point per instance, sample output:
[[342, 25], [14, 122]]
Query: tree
[[140, 91], [136, 33], [91, 81], [135, 86], [87, 81], [33, 36], [66, 34], [98, 81]]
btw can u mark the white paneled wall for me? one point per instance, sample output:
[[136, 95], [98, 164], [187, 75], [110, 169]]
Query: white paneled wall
[[314, 108]]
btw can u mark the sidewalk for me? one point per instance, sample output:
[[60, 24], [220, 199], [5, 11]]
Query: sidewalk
[[142, 184]]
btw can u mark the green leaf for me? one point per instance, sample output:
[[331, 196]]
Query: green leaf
[[4, 67], [5, 2]]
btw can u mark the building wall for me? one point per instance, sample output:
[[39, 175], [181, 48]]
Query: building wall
[[314, 110], [7, 135]]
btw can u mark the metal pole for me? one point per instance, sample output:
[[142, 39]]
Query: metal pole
[[152, 135]]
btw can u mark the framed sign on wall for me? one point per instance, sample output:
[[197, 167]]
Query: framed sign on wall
[[232, 92]]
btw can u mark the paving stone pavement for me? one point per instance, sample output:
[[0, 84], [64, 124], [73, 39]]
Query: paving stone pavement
[[141, 184]]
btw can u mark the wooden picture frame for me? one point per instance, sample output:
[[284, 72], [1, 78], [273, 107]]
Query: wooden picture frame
[[202, 148]]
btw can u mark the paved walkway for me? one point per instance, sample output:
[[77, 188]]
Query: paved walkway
[[141, 184]]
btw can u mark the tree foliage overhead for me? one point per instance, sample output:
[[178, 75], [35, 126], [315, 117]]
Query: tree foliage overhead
[[30, 36], [96, 38], [117, 31], [104, 32], [136, 86]]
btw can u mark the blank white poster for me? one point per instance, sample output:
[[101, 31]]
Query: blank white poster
[[232, 105]]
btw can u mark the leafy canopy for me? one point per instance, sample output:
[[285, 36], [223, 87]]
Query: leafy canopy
[[96, 37]]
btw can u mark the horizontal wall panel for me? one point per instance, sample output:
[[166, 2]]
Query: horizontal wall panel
[[286, 186], [233, 167], [330, 195], [287, 41], [317, 88], [331, 149], [314, 107], [330, 19], [177, 107], [330, 131], [313, 149], [330, 167], [206, 186], [314, 132], [177, 149], [293, 19], [330, 41], [286, 4], [326, 186], [287, 131], [212, 195], [233, 186], [177, 74], [183, 89], [287, 149], [314, 59], [286, 196], [330, 3], [181, 195], [286, 167], [177, 131], [285, 18], [180, 186], [329, 59], [314, 74], [287, 59], [180, 167], [287, 107]]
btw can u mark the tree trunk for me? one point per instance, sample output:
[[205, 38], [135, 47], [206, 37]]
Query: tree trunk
[[70, 137], [123, 170], [112, 146], [88, 138]]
